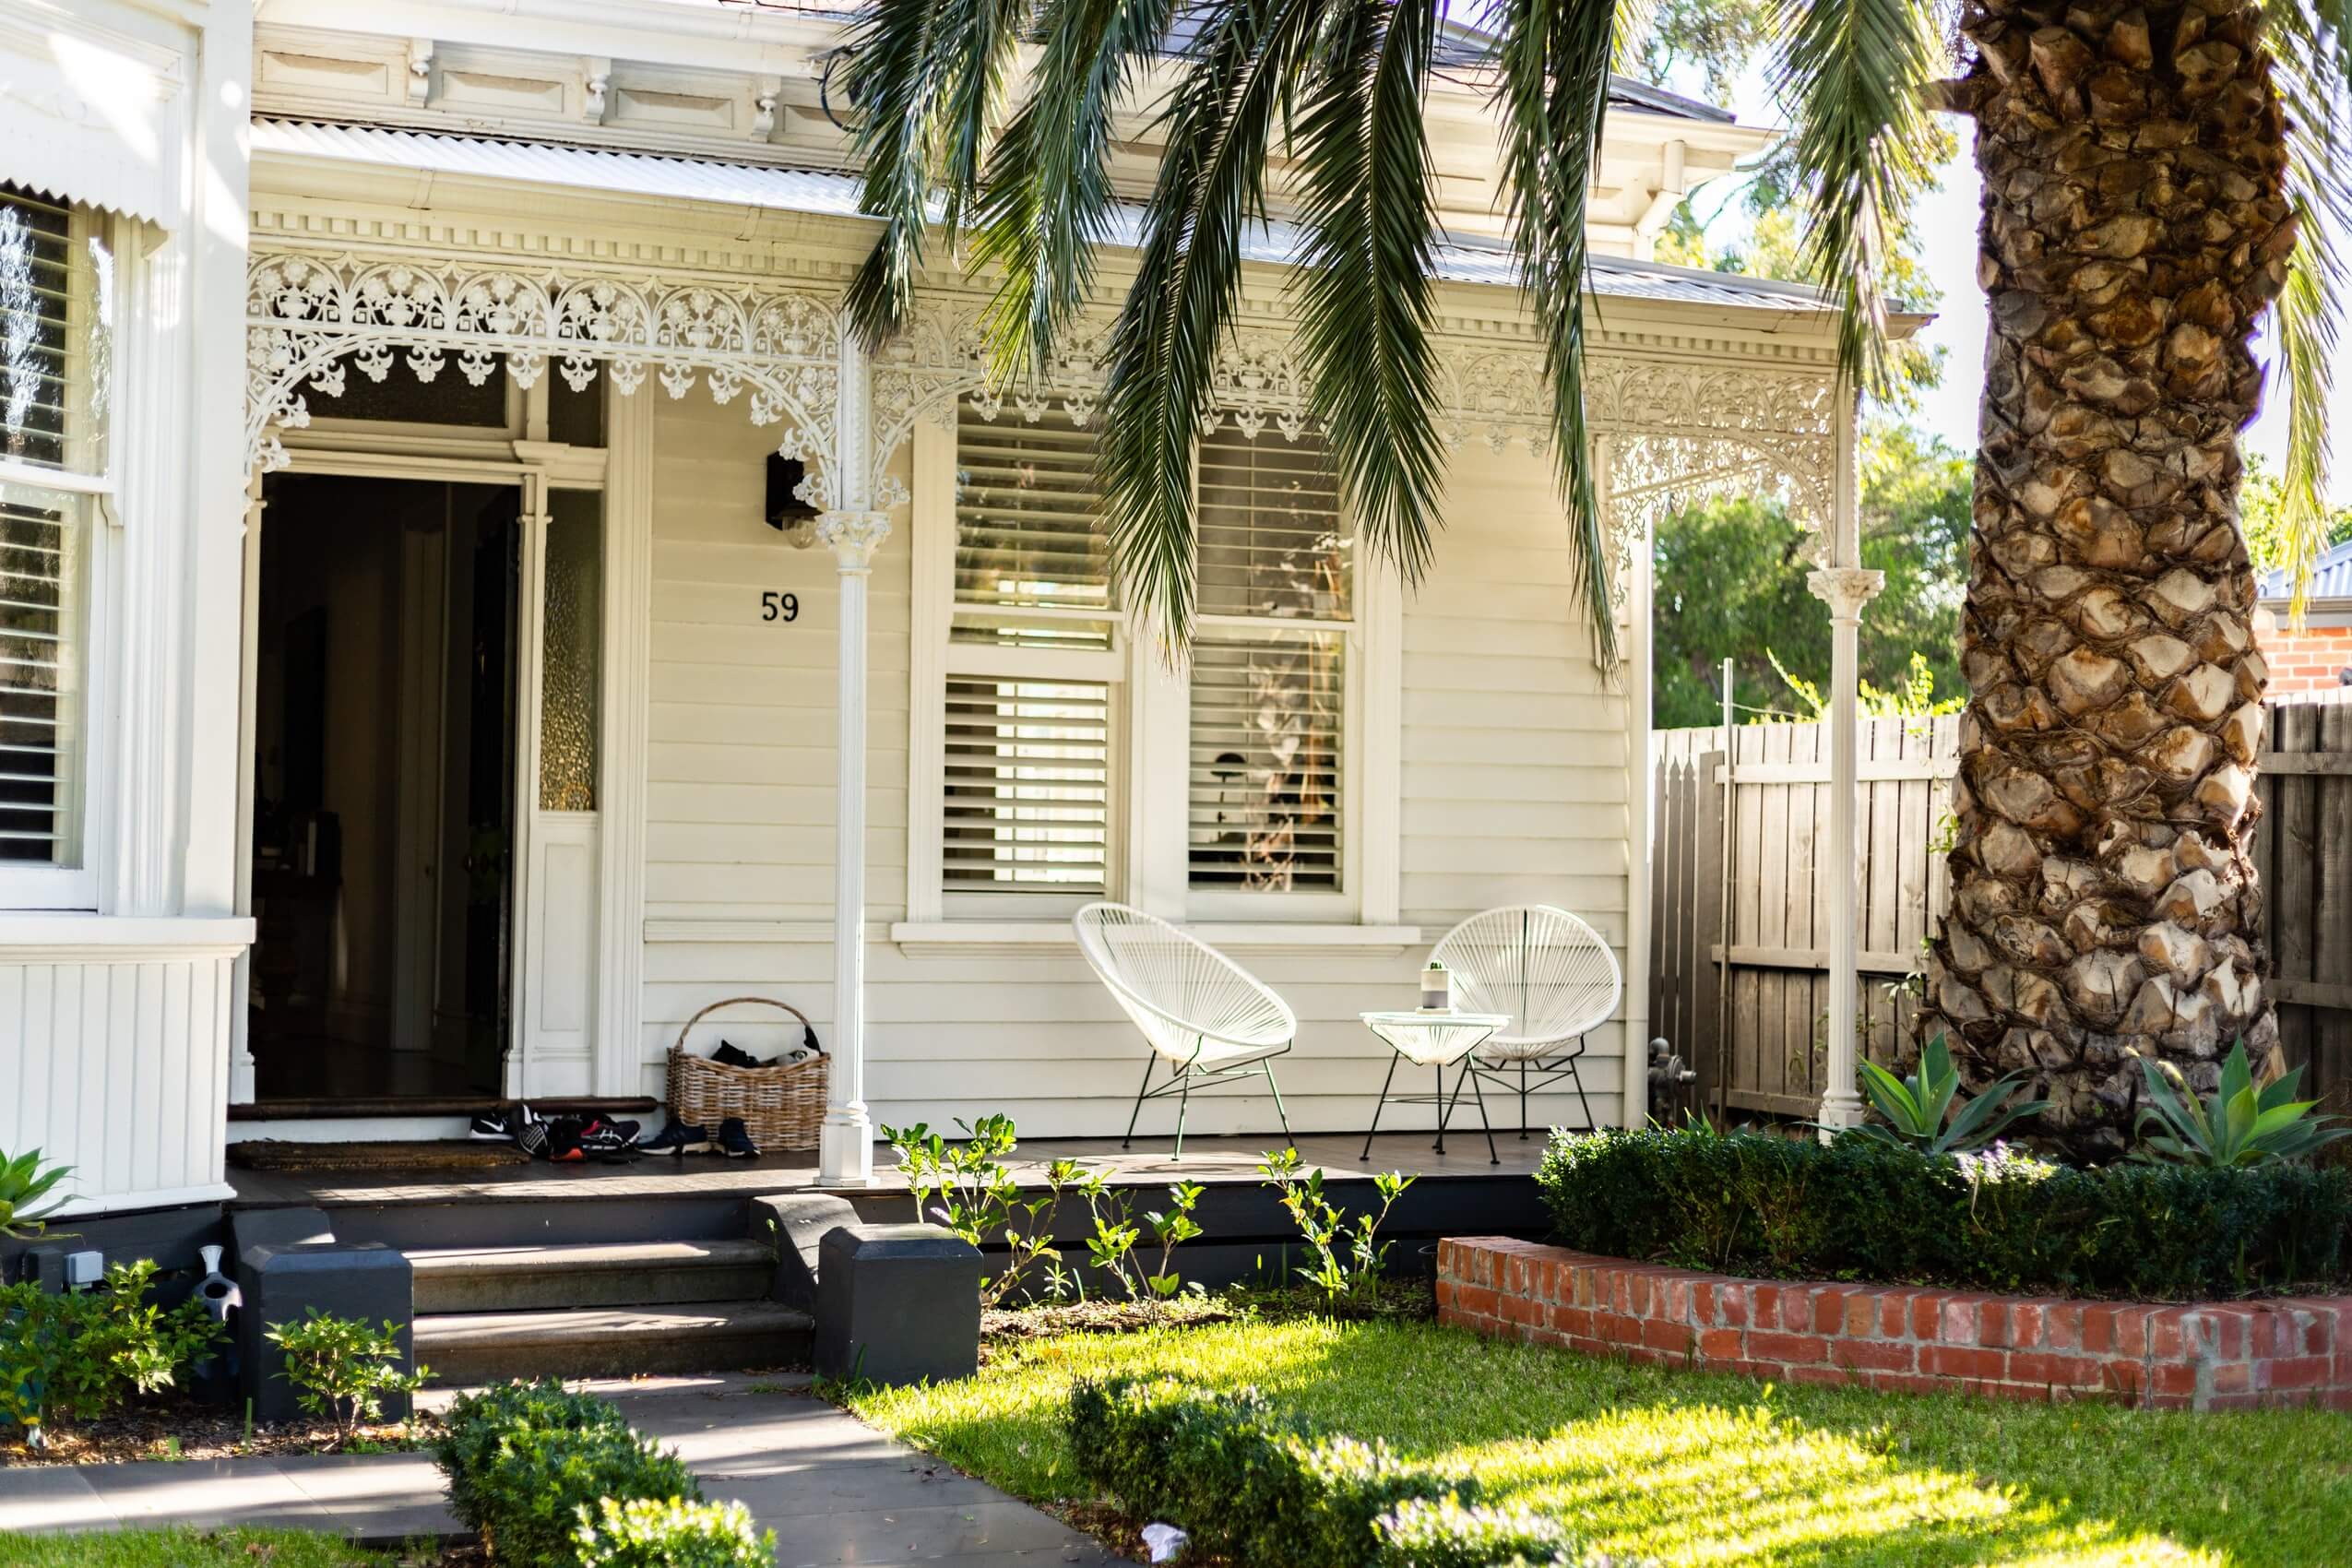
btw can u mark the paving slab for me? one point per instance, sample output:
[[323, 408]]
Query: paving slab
[[836, 1491]]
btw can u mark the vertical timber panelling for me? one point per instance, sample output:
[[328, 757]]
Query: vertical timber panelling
[[1766, 1055]]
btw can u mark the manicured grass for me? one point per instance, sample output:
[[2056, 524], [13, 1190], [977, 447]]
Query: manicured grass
[[186, 1549], [1700, 1468]]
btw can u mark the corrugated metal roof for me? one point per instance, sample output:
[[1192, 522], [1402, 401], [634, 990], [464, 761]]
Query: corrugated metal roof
[[2331, 578], [831, 194]]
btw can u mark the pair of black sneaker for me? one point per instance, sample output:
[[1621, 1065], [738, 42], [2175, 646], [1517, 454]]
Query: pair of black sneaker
[[734, 1140], [573, 1139], [517, 1125]]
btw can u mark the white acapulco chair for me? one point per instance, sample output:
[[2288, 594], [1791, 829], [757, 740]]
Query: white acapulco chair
[[1207, 1017], [1556, 979]]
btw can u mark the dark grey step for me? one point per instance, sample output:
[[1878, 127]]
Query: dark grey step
[[626, 1273], [475, 1348]]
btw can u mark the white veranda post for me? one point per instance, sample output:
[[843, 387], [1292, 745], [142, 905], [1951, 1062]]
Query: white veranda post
[[853, 530], [1845, 585]]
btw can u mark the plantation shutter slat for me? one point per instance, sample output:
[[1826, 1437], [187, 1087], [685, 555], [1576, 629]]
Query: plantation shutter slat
[[1267, 759], [1027, 505], [52, 352], [1027, 785], [1029, 768]]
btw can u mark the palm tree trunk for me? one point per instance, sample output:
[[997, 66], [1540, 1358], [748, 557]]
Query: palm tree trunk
[[2104, 900]]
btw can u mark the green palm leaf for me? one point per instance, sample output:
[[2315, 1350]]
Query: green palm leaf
[[929, 79], [1854, 77], [1241, 86], [1552, 58], [1047, 200], [1370, 221]]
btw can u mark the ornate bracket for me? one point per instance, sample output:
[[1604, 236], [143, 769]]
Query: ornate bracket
[[853, 537], [310, 319]]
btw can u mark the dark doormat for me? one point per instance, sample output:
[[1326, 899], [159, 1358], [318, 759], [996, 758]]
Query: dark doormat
[[451, 1153]]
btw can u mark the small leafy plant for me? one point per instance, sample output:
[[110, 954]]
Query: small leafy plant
[[671, 1532], [1349, 1259], [1112, 1248], [76, 1355], [342, 1368], [967, 1187], [2240, 1123], [1915, 1107], [25, 1181]]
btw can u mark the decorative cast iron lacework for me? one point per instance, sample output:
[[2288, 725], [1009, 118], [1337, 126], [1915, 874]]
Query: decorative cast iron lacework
[[1682, 432], [312, 319]]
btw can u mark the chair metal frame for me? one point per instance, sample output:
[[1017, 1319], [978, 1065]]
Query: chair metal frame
[[1258, 1027], [1551, 1013]]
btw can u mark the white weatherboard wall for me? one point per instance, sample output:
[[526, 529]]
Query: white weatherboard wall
[[1514, 788]]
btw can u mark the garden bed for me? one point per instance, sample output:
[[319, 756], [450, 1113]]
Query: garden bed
[[189, 1430], [2206, 1356]]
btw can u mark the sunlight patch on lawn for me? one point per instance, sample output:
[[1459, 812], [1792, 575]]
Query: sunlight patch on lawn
[[1695, 1469]]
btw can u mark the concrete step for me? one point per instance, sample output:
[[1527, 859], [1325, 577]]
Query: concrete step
[[475, 1348], [629, 1274]]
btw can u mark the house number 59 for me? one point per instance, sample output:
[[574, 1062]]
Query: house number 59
[[779, 607]]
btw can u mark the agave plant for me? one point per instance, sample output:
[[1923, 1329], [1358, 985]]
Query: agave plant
[[2240, 1123], [1916, 1108], [24, 1181]]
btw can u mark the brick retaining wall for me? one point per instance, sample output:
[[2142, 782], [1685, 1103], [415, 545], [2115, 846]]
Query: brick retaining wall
[[2207, 1356]]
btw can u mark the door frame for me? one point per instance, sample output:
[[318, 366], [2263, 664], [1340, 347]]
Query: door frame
[[536, 467]]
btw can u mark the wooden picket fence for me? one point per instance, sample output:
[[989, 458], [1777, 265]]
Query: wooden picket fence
[[1740, 880]]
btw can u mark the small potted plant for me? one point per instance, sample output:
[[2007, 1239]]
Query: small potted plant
[[1437, 989]]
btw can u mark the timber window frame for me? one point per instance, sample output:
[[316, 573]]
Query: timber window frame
[[1148, 830], [60, 294]]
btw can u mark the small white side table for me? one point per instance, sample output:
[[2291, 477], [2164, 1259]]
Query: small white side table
[[1435, 1040]]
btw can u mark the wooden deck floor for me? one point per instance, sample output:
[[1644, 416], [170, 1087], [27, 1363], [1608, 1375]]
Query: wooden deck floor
[[1210, 1161]]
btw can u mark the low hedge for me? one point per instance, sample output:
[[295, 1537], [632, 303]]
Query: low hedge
[[528, 1463], [1252, 1487], [673, 1533], [1774, 1207]]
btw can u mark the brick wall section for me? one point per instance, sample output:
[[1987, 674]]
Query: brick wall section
[[2209, 1356], [2307, 660]]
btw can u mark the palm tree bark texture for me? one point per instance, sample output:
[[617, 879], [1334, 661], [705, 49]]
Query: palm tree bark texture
[[2134, 224]]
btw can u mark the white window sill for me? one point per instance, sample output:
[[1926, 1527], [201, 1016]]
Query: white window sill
[[27, 938], [1047, 938]]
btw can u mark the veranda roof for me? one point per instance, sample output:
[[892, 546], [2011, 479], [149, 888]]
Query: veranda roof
[[828, 192]]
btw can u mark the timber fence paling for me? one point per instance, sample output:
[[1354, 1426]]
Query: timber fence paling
[[1739, 982]]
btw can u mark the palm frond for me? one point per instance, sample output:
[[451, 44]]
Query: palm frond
[[1239, 86], [1369, 213], [929, 79], [2312, 52], [1046, 200], [1853, 76], [1553, 93]]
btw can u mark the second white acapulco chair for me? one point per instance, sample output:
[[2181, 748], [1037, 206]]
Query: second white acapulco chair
[[1204, 1016], [1553, 974]]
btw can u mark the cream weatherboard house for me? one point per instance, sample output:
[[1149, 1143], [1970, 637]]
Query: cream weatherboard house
[[467, 604]]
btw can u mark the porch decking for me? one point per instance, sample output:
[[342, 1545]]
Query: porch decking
[[1212, 1161]]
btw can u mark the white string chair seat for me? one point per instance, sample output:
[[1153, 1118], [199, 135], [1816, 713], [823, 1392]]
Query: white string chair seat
[[1203, 1014], [1551, 973]]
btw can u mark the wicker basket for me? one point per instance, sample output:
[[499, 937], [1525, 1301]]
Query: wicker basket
[[780, 1107]]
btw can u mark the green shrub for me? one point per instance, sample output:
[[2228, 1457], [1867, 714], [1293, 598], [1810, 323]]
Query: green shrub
[[1445, 1534], [342, 1368], [528, 1500], [476, 1424], [671, 1533], [1752, 1204], [1244, 1483], [76, 1355]]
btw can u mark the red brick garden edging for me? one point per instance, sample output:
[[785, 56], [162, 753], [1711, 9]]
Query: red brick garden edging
[[2206, 1356]]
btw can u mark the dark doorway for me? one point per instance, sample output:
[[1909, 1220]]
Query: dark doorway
[[383, 768]]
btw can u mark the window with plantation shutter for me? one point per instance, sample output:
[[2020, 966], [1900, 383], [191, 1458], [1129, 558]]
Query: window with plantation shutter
[[1032, 666], [1269, 667], [55, 276]]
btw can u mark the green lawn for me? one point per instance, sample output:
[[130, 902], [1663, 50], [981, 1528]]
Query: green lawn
[[1690, 1467], [186, 1549]]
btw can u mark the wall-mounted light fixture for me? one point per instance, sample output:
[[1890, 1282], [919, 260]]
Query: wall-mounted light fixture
[[786, 513]]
